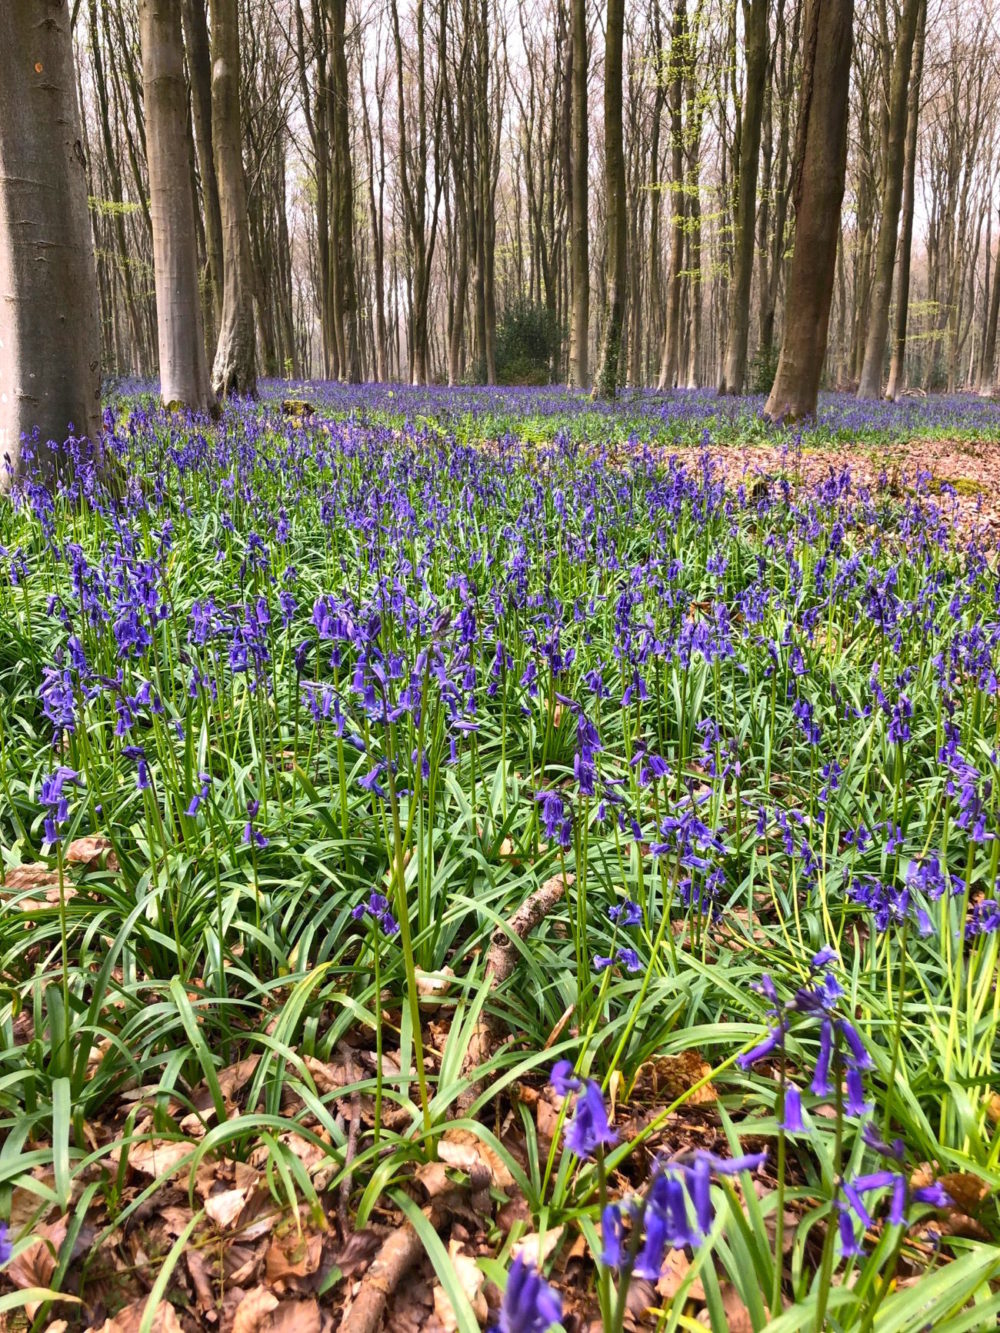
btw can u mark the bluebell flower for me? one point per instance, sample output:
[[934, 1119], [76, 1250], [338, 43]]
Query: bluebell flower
[[983, 919], [53, 795], [589, 1128], [6, 1246], [138, 755], [529, 1303], [791, 1113], [250, 832], [201, 795], [557, 821], [627, 913], [377, 907]]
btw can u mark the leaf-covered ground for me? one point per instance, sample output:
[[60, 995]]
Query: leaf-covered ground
[[378, 754]]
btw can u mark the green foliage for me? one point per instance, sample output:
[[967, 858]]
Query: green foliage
[[528, 340], [763, 369]]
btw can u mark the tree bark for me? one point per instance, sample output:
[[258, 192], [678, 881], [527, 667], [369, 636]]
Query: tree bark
[[579, 327], [897, 366], [235, 368], [345, 287], [878, 317], [117, 196], [987, 375], [670, 359], [183, 365], [50, 359], [200, 67], [755, 14], [821, 159], [606, 383]]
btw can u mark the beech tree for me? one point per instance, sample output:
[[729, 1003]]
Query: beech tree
[[821, 159], [606, 382], [578, 194], [184, 378], [235, 368], [892, 194], [897, 362], [50, 361], [755, 30]]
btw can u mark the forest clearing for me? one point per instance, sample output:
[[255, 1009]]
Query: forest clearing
[[499, 695]]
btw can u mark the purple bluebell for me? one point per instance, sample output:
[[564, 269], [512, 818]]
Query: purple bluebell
[[529, 1304]]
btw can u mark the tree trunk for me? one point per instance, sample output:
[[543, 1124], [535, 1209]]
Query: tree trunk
[[606, 383], [897, 365], [235, 368], [821, 159], [670, 360], [50, 360], [183, 366], [734, 369], [885, 263], [345, 286], [200, 67], [579, 328], [135, 360], [987, 375]]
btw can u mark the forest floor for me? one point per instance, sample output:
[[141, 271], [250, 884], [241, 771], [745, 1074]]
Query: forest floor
[[366, 764]]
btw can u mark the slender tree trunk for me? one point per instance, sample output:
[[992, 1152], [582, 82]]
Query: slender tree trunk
[[579, 328], [50, 355], [235, 369], [821, 159], [769, 299], [200, 67], [987, 375], [346, 285], [670, 360], [123, 257], [606, 383], [897, 366], [184, 377], [755, 14], [885, 263]]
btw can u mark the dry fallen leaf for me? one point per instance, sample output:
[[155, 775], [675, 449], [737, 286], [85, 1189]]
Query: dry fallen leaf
[[253, 1311], [471, 1279], [36, 1263], [433, 1176], [224, 1208], [293, 1256], [676, 1266], [31, 876], [434, 984], [130, 1319], [88, 851], [535, 1248], [967, 1190], [462, 1149], [673, 1076], [294, 1317], [156, 1157]]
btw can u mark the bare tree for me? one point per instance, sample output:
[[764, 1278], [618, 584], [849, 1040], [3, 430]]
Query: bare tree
[[50, 359], [892, 193], [897, 362], [235, 368], [579, 329], [821, 159], [756, 39], [670, 359], [184, 379], [606, 381]]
